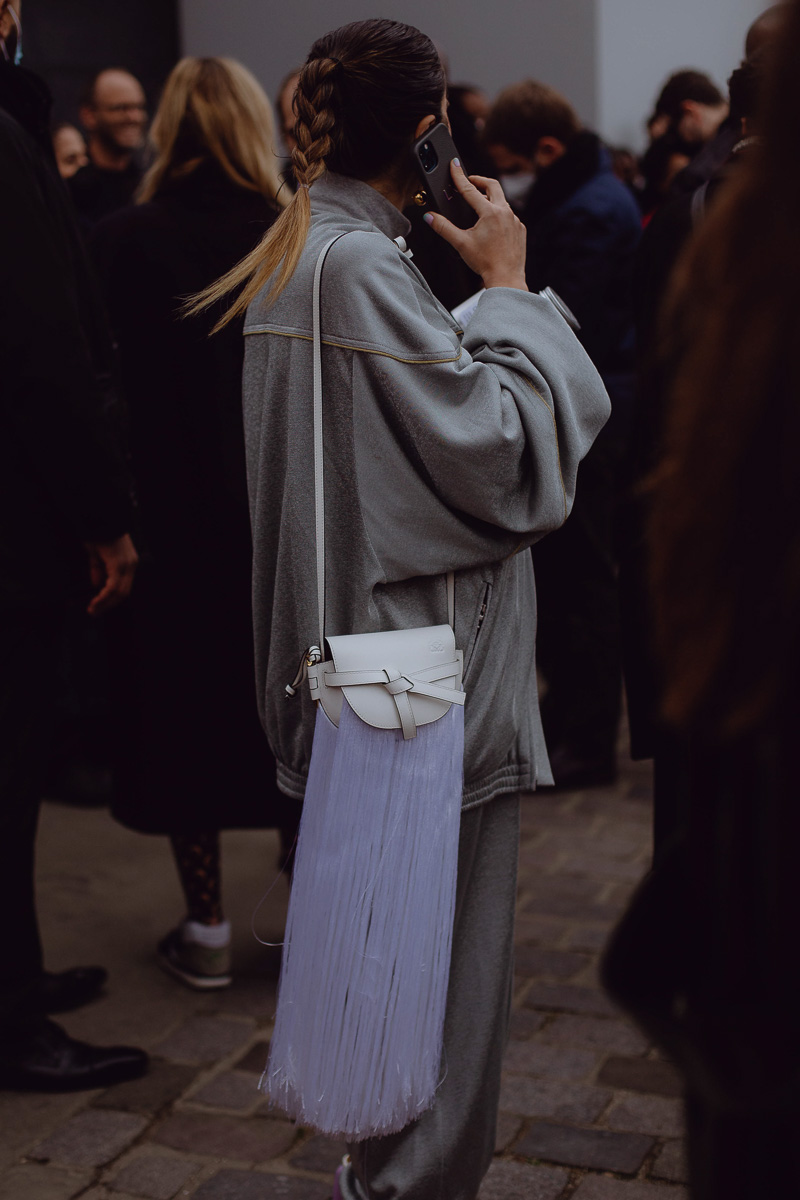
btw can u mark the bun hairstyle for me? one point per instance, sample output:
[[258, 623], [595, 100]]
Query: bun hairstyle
[[360, 96]]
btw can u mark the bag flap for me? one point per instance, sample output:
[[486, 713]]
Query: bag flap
[[403, 649], [429, 651]]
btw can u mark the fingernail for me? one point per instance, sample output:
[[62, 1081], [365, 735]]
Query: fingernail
[[457, 162], [428, 218]]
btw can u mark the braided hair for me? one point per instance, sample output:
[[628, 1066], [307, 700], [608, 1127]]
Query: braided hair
[[360, 96], [316, 120]]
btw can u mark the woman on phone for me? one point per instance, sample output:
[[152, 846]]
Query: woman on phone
[[445, 450]]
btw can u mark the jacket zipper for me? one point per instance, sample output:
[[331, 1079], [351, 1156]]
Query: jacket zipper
[[481, 618], [482, 613]]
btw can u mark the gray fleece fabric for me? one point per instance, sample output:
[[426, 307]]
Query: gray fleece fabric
[[444, 450]]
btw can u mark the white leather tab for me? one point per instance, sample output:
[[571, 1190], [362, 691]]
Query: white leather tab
[[406, 714], [329, 697]]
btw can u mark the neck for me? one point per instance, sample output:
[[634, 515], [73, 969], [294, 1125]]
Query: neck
[[397, 189], [108, 158], [388, 190]]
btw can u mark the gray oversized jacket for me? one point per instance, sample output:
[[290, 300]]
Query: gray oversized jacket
[[442, 452]]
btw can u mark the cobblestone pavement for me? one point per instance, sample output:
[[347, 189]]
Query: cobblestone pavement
[[588, 1108]]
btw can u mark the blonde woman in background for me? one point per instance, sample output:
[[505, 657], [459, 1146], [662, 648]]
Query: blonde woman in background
[[193, 756]]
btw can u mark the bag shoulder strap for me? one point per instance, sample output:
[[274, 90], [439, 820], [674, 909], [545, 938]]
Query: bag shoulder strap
[[319, 465], [319, 471]]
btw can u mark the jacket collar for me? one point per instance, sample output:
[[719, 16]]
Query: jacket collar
[[583, 160], [338, 194]]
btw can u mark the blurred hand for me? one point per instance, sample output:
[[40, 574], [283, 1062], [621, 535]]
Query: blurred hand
[[112, 566], [495, 245]]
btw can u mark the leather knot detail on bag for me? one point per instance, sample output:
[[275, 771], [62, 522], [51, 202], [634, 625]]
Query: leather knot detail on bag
[[394, 683]]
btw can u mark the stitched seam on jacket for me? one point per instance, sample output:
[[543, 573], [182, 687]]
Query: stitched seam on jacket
[[422, 362], [536, 392]]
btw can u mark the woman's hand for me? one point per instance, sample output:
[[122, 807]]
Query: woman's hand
[[495, 245]]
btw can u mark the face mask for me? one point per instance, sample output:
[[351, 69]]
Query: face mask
[[516, 187], [15, 40]]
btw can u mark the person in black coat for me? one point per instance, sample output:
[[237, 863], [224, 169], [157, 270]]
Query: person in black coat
[[704, 958], [665, 238], [583, 230], [63, 496], [196, 759]]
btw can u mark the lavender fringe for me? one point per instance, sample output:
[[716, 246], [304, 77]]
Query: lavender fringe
[[358, 1034]]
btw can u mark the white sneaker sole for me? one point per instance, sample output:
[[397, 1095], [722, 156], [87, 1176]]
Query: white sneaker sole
[[200, 983]]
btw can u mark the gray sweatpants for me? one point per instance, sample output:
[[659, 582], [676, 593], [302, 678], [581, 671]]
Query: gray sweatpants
[[446, 1153]]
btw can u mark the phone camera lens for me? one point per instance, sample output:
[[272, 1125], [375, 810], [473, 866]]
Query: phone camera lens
[[428, 157]]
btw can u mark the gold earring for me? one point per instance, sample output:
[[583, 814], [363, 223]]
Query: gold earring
[[421, 197]]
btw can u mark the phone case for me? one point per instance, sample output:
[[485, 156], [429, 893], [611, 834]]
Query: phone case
[[433, 153]]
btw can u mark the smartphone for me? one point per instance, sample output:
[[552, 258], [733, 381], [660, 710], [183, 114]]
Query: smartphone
[[433, 153]]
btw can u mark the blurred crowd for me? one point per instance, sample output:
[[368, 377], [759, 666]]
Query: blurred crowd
[[122, 465]]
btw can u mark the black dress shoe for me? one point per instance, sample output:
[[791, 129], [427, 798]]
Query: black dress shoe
[[61, 991], [49, 1060]]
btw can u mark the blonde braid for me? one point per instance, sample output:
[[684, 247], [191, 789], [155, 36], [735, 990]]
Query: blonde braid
[[315, 119], [283, 244], [359, 98]]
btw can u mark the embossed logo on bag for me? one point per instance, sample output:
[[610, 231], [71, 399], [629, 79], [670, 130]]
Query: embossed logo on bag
[[436, 647]]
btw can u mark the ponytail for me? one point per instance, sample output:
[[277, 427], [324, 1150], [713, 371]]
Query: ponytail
[[284, 241], [364, 88]]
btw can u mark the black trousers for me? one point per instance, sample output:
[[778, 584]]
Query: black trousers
[[29, 643], [578, 635]]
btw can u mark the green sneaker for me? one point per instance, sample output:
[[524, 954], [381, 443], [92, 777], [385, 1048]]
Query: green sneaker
[[200, 967]]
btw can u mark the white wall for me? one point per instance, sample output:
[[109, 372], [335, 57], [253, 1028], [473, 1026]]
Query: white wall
[[641, 42], [488, 42], [609, 57]]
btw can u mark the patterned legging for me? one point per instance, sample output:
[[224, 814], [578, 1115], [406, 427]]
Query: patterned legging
[[198, 861]]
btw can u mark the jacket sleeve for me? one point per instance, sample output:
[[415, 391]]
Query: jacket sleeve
[[48, 395], [482, 437]]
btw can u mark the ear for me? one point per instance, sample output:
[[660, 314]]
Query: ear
[[425, 124], [548, 149]]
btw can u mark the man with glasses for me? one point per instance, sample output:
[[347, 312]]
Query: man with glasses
[[114, 115]]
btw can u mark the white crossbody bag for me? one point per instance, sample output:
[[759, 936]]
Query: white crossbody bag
[[357, 1044]]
